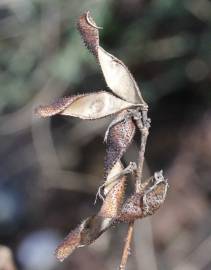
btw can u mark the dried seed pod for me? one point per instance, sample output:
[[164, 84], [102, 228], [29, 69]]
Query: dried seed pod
[[56, 107], [87, 106], [114, 192], [146, 203], [109, 184], [119, 138], [91, 228], [118, 78], [116, 74], [84, 234], [132, 209], [89, 32], [70, 243], [155, 194]]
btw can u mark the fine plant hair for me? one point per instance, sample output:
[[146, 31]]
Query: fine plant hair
[[130, 111]]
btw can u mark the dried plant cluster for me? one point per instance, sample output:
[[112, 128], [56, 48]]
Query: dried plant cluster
[[130, 112]]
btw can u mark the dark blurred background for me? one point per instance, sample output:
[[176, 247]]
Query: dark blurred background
[[51, 168]]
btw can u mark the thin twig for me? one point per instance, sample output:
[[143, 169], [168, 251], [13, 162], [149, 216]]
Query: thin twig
[[141, 159], [126, 250], [143, 124]]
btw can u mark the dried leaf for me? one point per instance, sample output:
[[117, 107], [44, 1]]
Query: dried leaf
[[119, 138], [89, 32], [118, 78], [84, 234], [114, 192], [88, 106]]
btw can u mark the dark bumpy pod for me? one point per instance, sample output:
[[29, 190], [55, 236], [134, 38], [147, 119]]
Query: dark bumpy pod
[[147, 202], [119, 138], [89, 32]]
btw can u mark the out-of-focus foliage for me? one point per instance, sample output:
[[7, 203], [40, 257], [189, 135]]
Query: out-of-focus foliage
[[50, 169]]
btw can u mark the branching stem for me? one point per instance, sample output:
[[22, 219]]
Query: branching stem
[[143, 124]]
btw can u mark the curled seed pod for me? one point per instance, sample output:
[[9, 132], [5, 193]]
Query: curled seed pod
[[92, 227], [146, 203], [84, 234], [109, 183], [89, 32], [70, 243], [87, 106], [119, 138], [155, 194], [56, 107], [114, 192], [117, 76]]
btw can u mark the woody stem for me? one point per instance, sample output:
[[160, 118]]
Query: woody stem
[[127, 245], [143, 124]]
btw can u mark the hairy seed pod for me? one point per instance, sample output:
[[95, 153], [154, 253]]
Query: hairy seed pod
[[146, 203], [132, 209], [85, 106], [84, 234], [114, 193], [119, 138], [89, 32], [56, 107], [116, 74]]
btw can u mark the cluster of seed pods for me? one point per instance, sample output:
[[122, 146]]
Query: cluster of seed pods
[[126, 104]]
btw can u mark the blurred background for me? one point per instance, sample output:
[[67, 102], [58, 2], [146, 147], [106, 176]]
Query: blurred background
[[51, 168]]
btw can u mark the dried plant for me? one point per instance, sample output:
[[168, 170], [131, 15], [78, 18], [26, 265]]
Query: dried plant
[[130, 112]]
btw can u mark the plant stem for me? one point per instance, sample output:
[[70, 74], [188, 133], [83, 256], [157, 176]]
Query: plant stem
[[126, 250], [143, 124], [139, 173]]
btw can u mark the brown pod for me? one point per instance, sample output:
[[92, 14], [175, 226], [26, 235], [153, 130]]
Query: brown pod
[[70, 243], [56, 107], [155, 196], [119, 138], [84, 234], [132, 209], [147, 202], [85, 106], [89, 32], [114, 193]]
